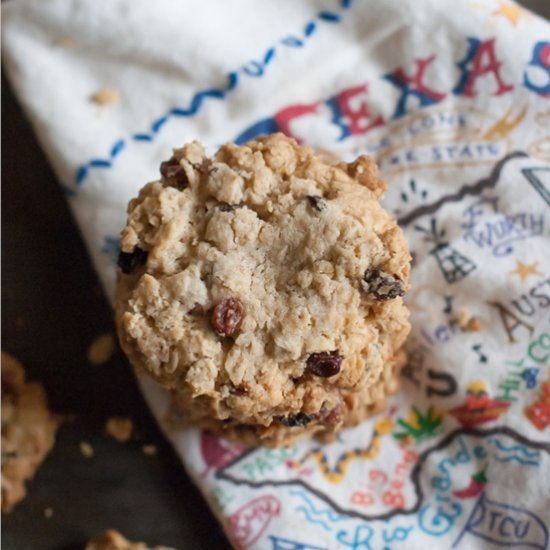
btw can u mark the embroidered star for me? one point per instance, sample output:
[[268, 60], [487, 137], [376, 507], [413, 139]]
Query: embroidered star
[[510, 12], [524, 270]]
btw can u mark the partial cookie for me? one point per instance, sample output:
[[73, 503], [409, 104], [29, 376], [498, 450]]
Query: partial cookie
[[263, 283], [113, 540], [28, 431]]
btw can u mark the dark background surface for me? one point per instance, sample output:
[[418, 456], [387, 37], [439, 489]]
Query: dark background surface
[[52, 309]]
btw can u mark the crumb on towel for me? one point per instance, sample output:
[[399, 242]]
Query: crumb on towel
[[105, 96], [65, 42]]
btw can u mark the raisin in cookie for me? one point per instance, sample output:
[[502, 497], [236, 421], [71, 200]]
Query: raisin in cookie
[[28, 431], [113, 540], [263, 284]]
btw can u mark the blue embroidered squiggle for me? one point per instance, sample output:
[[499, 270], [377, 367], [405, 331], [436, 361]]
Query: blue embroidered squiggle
[[313, 520], [516, 448], [516, 459], [253, 69], [318, 513]]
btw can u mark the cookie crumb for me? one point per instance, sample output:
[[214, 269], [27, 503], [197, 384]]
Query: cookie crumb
[[65, 42], [48, 513], [119, 428], [467, 322], [149, 450], [113, 540], [86, 449], [463, 317], [105, 96], [101, 349], [473, 325]]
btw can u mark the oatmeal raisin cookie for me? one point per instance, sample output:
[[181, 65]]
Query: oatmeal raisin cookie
[[263, 285]]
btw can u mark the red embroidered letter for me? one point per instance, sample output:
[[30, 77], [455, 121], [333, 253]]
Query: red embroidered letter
[[479, 61], [351, 120], [284, 117], [414, 85]]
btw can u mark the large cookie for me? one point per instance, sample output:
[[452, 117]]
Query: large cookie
[[28, 431], [263, 284]]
